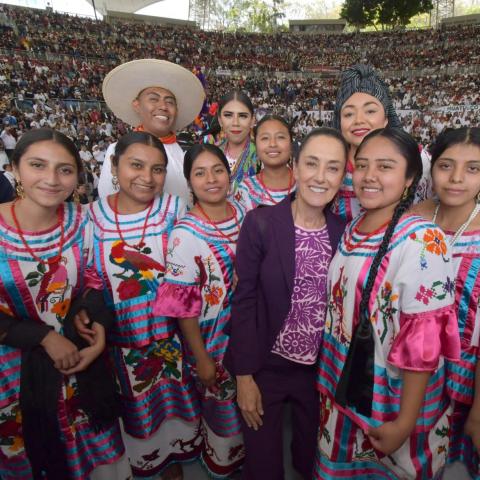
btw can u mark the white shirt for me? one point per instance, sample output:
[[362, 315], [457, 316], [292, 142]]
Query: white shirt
[[175, 183], [8, 140]]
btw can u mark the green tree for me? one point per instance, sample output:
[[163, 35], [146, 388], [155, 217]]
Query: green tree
[[386, 13], [359, 13]]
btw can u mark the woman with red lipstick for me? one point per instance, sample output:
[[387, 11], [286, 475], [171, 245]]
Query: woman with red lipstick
[[363, 104], [456, 181], [236, 117], [390, 326], [273, 141]]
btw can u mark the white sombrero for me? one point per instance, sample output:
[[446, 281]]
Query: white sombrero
[[123, 84]]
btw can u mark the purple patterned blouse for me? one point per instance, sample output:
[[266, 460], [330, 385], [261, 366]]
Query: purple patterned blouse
[[301, 334]]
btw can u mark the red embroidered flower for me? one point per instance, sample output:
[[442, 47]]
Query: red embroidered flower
[[130, 288], [424, 295]]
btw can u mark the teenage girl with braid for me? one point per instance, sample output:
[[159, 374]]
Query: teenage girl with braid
[[390, 324], [456, 180]]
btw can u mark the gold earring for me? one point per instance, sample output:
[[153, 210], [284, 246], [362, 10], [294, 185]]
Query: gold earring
[[405, 193], [115, 182], [19, 190], [76, 196]]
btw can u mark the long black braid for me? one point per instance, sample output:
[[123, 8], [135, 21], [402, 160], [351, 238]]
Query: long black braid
[[359, 364]]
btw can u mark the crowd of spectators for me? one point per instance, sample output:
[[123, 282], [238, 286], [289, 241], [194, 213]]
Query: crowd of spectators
[[52, 67], [48, 32]]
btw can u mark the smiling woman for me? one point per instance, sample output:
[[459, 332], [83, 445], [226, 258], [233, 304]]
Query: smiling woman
[[279, 306], [131, 231], [197, 291], [47, 250]]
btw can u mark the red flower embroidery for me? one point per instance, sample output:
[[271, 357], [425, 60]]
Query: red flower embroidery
[[130, 288]]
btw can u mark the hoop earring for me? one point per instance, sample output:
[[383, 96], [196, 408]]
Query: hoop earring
[[115, 182], [19, 190], [478, 197]]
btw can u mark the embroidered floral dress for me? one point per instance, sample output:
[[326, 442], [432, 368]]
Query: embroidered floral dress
[[42, 293], [247, 165], [415, 328], [157, 406], [251, 193], [347, 205], [198, 284], [461, 375]]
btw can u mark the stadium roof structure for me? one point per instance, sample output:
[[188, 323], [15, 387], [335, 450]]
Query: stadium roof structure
[[126, 6]]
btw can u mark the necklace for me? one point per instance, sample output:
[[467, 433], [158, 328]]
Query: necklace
[[349, 245], [240, 160], [224, 235], [463, 226], [51, 260], [139, 245], [265, 189]]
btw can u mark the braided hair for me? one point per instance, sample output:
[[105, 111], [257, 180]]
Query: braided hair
[[360, 358]]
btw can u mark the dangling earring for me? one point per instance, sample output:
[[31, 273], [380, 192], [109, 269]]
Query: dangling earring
[[19, 190], [115, 182], [405, 193], [478, 197], [76, 196]]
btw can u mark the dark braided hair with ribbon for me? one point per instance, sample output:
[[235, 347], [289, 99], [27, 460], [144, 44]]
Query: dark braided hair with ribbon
[[355, 386]]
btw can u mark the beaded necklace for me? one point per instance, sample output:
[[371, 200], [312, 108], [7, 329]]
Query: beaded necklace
[[463, 226], [224, 235], [261, 182], [349, 245], [51, 260], [139, 245]]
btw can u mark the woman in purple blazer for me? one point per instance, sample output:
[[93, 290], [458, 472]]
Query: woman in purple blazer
[[279, 306]]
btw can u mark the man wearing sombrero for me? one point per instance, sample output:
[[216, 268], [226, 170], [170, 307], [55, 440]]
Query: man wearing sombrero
[[158, 97]]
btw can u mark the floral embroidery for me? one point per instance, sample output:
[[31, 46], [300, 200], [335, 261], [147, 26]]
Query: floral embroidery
[[335, 309], [433, 241], [384, 302], [10, 430], [160, 359], [137, 277], [224, 387], [438, 291], [206, 279], [214, 295]]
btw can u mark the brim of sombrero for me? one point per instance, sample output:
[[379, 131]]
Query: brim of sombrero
[[123, 84]]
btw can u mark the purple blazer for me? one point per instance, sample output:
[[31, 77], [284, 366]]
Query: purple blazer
[[265, 265]]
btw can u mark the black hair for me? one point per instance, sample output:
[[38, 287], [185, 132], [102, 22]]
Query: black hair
[[408, 148], [355, 385], [131, 138], [454, 136], [43, 135], [237, 95], [276, 118], [193, 153], [323, 131]]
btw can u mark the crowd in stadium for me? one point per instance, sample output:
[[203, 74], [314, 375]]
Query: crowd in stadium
[[51, 61]]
